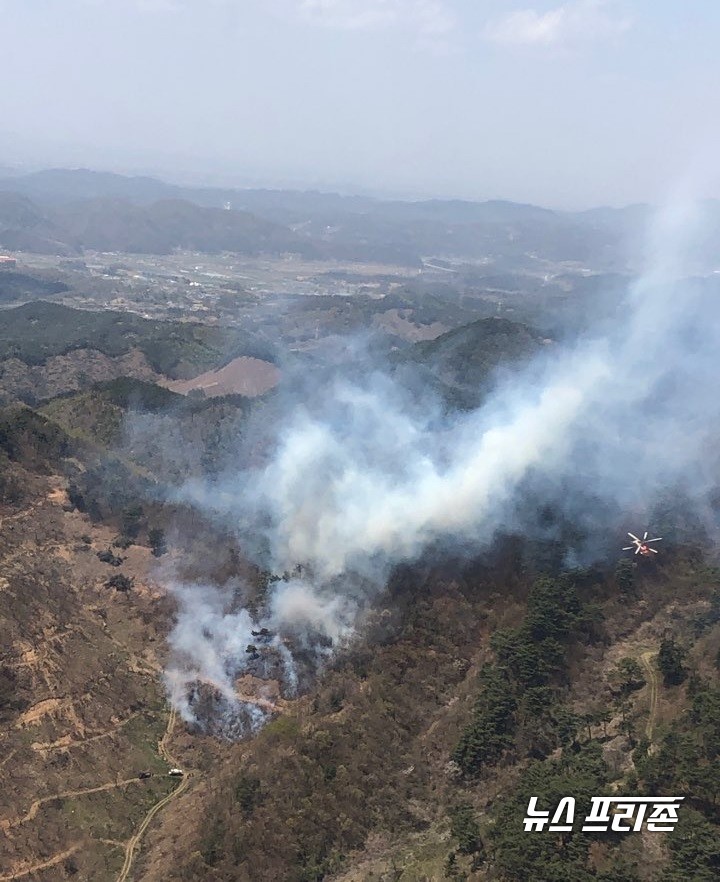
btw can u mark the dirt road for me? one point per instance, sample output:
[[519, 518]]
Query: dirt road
[[646, 660], [6, 824], [133, 843]]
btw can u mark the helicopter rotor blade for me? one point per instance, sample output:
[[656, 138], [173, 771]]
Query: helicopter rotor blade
[[653, 550], [645, 536], [637, 550], [628, 548], [633, 537], [654, 540]]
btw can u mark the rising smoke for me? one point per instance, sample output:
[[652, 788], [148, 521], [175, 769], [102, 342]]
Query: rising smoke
[[361, 478]]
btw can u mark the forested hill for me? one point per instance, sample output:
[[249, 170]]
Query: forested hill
[[416, 755], [37, 331], [47, 349], [462, 365]]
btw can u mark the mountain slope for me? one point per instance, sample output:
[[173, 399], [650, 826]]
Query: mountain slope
[[26, 227], [463, 363], [81, 704], [117, 225]]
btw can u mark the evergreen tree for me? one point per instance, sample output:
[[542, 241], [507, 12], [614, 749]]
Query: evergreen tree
[[670, 661], [464, 828]]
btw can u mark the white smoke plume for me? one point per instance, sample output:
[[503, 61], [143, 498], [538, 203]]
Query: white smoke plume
[[366, 479]]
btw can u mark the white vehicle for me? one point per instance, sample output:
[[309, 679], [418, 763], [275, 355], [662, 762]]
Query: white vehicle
[[176, 773]]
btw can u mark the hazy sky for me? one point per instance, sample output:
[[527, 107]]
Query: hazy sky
[[561, 103]]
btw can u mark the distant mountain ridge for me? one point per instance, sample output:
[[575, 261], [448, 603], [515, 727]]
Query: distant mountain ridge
[[66, 210], [60, 185], [113, 224]]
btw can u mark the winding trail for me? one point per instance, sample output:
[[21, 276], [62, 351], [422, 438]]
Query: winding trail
[[18, 516], [62, 744], [6, 824], [7, 759], [133, 843], [646, 659], [131, 846], [45, 865]]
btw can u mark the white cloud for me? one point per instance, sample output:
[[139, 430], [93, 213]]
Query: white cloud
[[428, 18], [158, 5], [571, 23]]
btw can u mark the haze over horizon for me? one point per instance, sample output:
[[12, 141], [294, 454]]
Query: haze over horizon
[[562, 104]]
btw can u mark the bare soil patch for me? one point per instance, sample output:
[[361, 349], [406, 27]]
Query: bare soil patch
[[242, 376]]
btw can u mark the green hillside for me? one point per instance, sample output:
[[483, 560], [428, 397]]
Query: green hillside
[[460, 365], [23, 286], [37, 331]]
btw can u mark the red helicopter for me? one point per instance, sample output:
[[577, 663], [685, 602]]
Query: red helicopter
[[642, 546]]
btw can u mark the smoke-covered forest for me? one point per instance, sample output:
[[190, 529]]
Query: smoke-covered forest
[[331, 591], [359, 441]]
